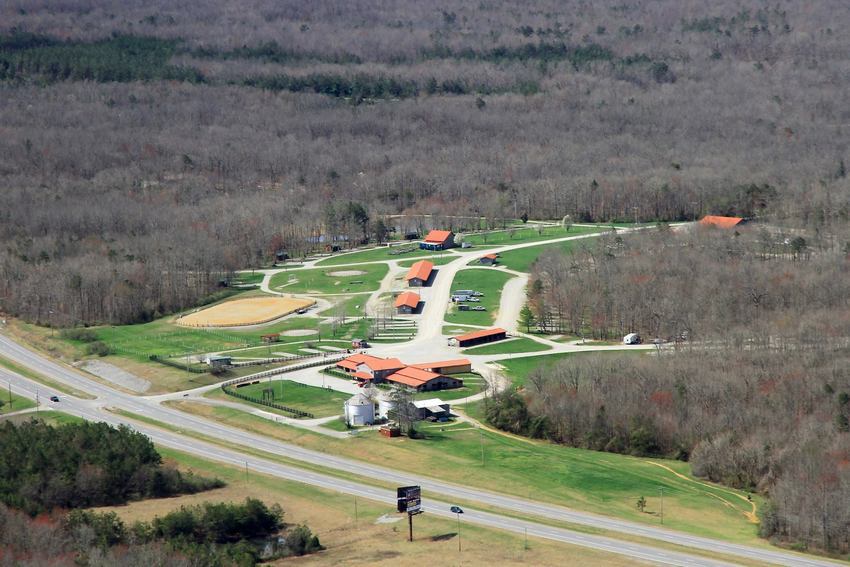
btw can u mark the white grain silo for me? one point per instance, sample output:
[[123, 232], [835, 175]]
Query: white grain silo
[[359, 410]]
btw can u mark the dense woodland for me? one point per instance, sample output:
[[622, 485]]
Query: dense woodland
[[148, 149], [754, 390], [207, 535], [50, 475], [43, 467]]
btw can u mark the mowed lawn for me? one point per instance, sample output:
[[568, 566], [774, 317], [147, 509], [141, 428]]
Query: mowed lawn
[[510, 346], [603, 483], [528, 234], [17, 403], [327, 280], [378, 254], [163, 338], [522, 259], [437, 259], [489, 282], [321, 402]]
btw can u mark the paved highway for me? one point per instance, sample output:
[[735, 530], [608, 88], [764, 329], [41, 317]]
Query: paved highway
[[107, 397]]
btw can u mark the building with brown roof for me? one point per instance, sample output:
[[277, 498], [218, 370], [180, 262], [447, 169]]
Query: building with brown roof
[[456, 366], [407, 302], [480, 337], [368, 367], [721, 222], [423, 380], [438, 240], [419, 273], [489, 259]]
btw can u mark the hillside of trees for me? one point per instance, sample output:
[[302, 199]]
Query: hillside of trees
[[207, 535], [50, 475], [149, 149], [43, 467], [754, 390]]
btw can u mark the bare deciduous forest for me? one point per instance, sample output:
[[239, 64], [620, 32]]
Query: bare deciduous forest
[[149, 148]]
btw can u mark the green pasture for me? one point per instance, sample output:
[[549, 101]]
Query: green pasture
[[521, 344], [321, 402], [487, 281], [322, 280]]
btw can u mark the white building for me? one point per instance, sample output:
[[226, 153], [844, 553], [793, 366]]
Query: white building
[[360, 410]]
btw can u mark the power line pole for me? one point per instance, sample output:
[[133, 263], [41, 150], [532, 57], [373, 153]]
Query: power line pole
[[355, 511], [661, 488], [481, 440]]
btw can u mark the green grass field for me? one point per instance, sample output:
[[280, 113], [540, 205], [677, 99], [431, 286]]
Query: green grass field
[[17, 403], [520, 344], [487, 281], [528, 234], [522, 259], [321, 402], [321, 280], [378, 254], [603, 483]]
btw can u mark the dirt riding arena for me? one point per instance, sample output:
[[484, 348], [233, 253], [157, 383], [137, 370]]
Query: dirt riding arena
[[249, 311]]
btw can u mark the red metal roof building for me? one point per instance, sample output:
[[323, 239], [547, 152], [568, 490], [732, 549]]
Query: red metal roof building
[[438, 240], [407, 302], [721, 222], [446, 366], [419, 273], [423, 380], [480, 337]]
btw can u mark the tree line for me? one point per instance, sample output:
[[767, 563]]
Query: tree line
[[204, 535], [80, 465]]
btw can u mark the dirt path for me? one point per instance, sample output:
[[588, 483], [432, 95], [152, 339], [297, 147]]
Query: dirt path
[[752, 515]]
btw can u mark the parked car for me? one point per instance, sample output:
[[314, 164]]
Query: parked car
[[478, 308], [658, 341], [474, 300]]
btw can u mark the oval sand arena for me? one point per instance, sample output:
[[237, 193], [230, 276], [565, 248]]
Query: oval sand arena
[[346, 273], [249, 311]]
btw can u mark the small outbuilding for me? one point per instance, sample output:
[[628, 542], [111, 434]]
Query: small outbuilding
[[438, 240], [419, 274], [218, 360], [407, 302], [434, 409], [480, 337], [489, 259]]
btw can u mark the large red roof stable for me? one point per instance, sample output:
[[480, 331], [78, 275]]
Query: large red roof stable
[[408, 298], [720, 222], [438, 236], [373, 362], [479, 334], [421, 270]]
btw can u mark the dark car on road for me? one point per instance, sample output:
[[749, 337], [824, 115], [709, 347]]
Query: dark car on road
[[54, 398]]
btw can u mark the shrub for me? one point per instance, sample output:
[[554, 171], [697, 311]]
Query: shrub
[[99, 348]]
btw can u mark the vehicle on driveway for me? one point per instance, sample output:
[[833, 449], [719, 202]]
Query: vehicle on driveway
[[631, 339], [478, 308]]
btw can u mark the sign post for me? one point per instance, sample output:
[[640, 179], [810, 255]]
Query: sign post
[[409, 500]]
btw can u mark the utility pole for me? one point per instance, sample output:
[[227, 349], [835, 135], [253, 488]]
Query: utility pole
[[661, 488], [246, 472], [481, 441], [10, 396], [355, 510], [526, 539]]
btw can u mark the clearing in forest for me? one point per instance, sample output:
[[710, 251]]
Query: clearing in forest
[[248, 311]]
